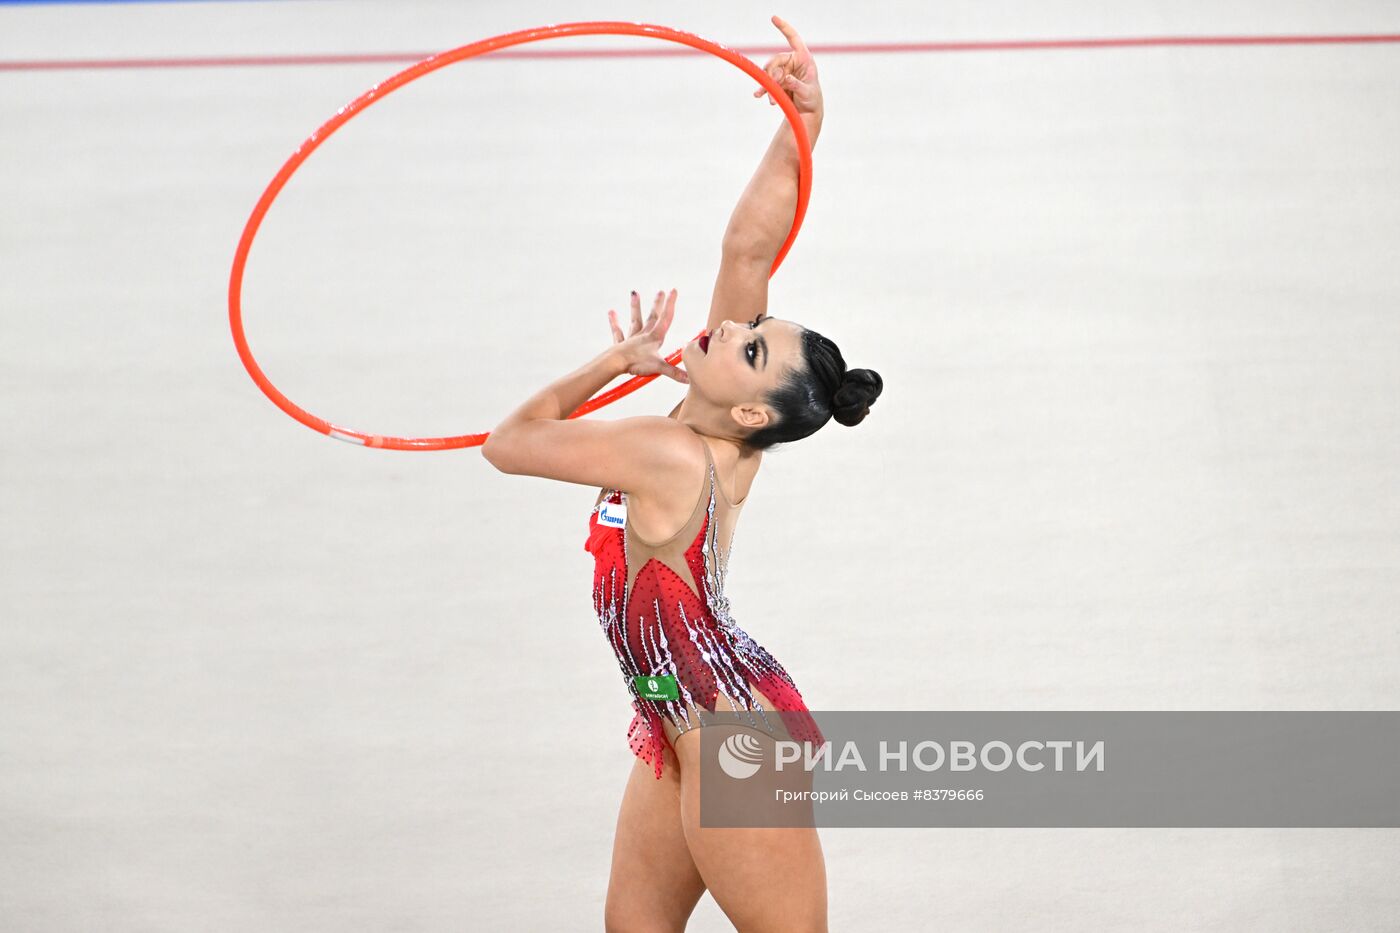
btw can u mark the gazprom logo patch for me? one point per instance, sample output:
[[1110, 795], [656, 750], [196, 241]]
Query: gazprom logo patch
[[613, 514]]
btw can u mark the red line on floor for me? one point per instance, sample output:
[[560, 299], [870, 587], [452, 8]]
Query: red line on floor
[[875, 48]]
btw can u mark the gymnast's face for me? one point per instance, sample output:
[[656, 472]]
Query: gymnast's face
[[741, 363]]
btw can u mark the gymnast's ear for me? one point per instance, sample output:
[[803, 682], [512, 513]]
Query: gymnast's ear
[[751, 417]]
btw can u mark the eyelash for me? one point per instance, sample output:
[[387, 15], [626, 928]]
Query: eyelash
[[752, 359]]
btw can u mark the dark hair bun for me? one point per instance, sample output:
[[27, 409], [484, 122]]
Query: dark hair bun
[[859, 390]]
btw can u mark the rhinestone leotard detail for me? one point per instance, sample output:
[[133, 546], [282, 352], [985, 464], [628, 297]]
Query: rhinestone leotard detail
[[663, 609]]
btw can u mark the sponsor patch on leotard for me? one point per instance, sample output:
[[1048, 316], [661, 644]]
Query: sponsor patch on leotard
[[656, 687], [613, 514]]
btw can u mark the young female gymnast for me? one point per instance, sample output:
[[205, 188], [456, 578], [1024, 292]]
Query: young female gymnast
[[660, 554]]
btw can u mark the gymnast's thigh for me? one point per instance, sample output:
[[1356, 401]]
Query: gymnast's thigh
[[654, 884]]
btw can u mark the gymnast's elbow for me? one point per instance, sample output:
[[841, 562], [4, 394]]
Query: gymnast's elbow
[[497, 451]]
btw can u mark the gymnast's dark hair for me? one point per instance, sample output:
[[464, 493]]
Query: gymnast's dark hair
[[814, 394]]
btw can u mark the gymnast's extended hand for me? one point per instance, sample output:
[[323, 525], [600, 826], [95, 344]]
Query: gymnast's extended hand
[[639, 352], [795, 72]]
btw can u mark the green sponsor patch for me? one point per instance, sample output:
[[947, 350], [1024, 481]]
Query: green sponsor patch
[[656, 687]]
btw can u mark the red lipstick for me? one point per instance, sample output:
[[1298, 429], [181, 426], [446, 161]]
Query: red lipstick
[[705, 342]]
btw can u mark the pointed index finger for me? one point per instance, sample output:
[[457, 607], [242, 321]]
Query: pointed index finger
[[793, 38]]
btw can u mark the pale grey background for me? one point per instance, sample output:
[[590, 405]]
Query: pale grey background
[[1136, 312]]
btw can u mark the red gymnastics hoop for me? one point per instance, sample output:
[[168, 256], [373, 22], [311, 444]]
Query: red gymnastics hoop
[[413, 73]]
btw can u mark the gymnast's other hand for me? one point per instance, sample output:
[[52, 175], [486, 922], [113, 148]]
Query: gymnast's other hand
[[640, 352], [795, 72]]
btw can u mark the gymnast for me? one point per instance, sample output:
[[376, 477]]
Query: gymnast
[[660, 529]]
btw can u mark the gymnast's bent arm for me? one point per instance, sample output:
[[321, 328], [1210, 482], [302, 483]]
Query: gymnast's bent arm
[[642, 455], [763, 216]]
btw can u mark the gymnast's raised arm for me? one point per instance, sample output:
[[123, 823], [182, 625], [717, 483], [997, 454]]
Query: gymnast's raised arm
[[763, 216], [640, 455]]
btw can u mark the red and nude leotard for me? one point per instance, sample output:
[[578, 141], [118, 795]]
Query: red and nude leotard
[[663, 611]]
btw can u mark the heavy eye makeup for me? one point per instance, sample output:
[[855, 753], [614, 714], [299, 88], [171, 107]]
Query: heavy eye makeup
[[751, 348]]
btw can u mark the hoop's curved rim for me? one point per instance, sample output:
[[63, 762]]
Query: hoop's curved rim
[[413, 73]]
